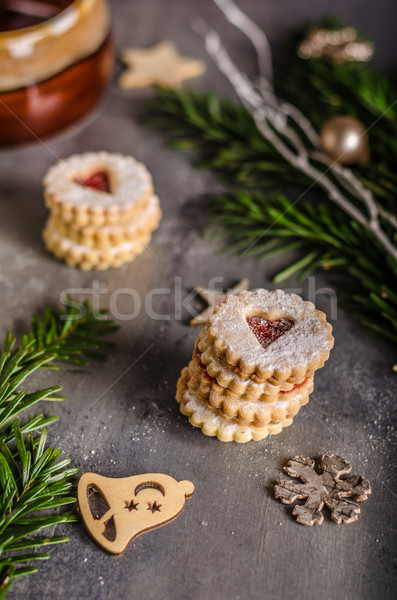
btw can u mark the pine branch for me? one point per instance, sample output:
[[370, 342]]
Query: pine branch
[[74, 334], [31, 479], [224, 137], [268, 225], [324, 89]]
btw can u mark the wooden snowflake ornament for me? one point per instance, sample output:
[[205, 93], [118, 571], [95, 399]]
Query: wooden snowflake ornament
[[325, 488]]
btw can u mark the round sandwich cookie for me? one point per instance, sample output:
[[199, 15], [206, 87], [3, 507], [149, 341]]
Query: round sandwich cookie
[[213, 424], [272, 410], [97, 188], [109, 236], [103, 210], [219, 374], [270, 334], [253, 365], [85, 258]]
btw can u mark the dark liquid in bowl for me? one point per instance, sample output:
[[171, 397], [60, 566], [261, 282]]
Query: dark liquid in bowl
[[17, 14]]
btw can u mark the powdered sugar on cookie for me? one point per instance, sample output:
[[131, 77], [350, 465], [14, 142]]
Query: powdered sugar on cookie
[[303, 346], [102, 210], [129, 181], [253, 364]]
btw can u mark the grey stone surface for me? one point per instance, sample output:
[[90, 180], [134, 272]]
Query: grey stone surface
[[233, 539]]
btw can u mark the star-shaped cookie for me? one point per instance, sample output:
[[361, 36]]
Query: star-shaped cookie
[[215, 297], [160, 65]]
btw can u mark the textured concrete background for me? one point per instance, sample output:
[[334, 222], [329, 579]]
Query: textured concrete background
[[233, 540]]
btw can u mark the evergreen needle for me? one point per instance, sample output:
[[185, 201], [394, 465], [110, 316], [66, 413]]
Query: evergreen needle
[[256, 217], [33, 482]]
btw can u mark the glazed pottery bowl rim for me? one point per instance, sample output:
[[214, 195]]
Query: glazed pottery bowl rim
[[44, 24]]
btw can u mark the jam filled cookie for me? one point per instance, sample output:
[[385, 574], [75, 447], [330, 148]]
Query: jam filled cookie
[[102, 210], [97, 188], [270, 334], [226, 376], [272, 409], [85, 258], [253, 365], [213, 424], [109, 236]]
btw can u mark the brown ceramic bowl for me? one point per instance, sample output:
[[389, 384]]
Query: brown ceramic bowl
[[55, 69]]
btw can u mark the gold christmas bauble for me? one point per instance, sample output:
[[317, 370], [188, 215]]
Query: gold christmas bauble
[[345, 140]]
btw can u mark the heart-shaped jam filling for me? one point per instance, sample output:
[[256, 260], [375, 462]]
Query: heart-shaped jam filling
[[96, 181], [267, 332]]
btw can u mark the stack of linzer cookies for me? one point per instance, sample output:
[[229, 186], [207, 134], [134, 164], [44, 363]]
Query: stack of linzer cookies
[[103, 210], [253, 365]]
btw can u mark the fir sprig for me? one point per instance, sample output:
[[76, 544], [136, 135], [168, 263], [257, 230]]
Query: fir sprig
[[269, 225], [31, 480], [223, 137], [73, 334], [323, 89]]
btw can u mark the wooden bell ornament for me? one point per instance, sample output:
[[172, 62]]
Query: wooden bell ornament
[[135, 505]]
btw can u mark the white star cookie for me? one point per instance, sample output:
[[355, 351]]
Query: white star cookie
[[215, 297], [160, 65]]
